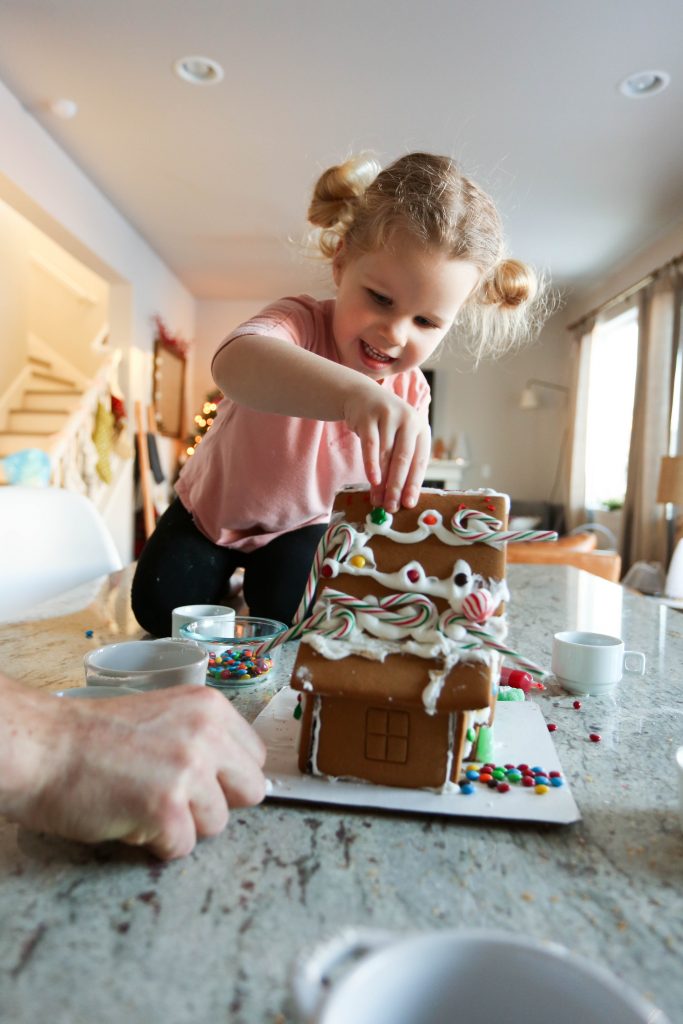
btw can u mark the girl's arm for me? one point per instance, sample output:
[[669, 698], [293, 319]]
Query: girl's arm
[[157, 769], [275, 376]]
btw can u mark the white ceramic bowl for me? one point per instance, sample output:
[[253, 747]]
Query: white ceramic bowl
[[452, 976], [146, 664]]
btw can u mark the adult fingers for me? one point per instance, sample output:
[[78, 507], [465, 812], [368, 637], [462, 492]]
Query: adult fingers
[[242, 781], [175, 835], [245, 736], [210, 809]]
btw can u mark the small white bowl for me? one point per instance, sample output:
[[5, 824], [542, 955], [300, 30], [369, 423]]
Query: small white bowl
[[147, 664]]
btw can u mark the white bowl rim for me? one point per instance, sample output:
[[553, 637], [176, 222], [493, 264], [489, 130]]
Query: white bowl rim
[[624, 994], [188, 646]]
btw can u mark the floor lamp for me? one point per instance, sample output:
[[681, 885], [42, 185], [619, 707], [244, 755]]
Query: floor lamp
[[670, 490]]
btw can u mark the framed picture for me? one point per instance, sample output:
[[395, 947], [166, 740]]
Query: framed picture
[[169, 390]]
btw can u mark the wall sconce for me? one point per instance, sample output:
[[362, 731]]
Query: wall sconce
[[670, 491], [529, 398]]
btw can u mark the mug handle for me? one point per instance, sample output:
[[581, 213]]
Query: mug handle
[[638, 662], [311, 982]]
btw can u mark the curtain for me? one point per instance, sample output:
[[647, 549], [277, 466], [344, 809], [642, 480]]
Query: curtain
[[644, 532], [576, 438]]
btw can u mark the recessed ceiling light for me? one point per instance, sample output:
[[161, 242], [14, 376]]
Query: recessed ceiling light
[[644, 83], [64, 108], [198, 70]]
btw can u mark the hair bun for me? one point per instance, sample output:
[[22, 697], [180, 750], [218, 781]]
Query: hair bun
[[338, 188], [513, 283]]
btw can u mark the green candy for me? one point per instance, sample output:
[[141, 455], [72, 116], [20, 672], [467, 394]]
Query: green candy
[[484, 744], [378, 516]]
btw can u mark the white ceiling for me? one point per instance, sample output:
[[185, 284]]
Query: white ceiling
[[217, 179]]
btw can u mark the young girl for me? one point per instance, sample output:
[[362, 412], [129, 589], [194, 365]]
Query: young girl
[[320, 394]]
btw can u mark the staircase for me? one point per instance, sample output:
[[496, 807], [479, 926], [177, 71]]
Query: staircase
[[42, 409]]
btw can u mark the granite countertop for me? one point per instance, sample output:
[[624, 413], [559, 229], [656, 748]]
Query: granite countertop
[[110, 934]]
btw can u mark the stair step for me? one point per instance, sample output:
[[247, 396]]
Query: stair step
[[37, 361], [48, 421], [49, 379], [62, 398], [11, 442]]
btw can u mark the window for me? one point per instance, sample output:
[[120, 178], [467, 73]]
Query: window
[[386, 736], [611, 390]]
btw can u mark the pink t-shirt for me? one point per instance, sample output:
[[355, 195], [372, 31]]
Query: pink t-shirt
[[258, 475]]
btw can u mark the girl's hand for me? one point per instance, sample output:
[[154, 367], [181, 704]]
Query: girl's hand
[[395, 441]]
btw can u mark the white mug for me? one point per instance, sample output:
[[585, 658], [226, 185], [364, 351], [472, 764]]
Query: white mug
[[372, 977], [224, 617], [147, 664], [592, 663]]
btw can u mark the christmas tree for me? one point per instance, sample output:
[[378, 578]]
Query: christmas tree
[[203, 421]]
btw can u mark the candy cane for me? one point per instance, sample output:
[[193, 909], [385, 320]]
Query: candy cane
[[339, 535], [486, 529]]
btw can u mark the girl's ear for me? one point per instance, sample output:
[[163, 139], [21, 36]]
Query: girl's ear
[[338, 262]]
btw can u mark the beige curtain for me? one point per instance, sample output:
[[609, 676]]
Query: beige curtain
[[644, 532], [575, 499]]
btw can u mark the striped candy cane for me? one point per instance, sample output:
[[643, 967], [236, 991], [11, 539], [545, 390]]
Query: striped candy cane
[[486, 529]]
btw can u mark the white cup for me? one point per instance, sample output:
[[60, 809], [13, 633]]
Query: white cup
[[147, 664], [371, 977], [223, 616], [592, 663]]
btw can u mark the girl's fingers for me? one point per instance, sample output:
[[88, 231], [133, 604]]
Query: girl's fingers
[[369, 441], [418, 468]]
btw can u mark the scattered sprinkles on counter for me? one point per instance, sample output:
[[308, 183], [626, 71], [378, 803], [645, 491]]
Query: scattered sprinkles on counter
[[503, 777]]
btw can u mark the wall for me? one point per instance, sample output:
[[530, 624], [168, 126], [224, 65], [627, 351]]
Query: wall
[[43, 184], [215, 320], [13, 285]]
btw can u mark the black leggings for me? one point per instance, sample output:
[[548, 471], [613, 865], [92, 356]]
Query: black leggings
[[179, 565]]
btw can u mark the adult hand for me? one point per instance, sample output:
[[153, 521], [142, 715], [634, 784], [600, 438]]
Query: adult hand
[[156, 770], [395, 441]]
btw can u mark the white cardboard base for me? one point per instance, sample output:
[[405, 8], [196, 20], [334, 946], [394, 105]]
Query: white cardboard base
[[521, 737]]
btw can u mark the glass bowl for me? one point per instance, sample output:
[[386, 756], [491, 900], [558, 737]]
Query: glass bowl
[[232, 659]]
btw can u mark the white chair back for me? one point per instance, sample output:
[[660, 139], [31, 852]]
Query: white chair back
[[50, 541]]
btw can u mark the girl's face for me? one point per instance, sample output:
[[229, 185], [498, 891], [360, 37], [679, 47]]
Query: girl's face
[[395, 305]]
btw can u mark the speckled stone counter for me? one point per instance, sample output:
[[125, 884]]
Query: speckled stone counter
[[108, 934]]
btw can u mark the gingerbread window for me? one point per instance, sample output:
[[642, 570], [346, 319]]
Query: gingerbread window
[[386, 735]]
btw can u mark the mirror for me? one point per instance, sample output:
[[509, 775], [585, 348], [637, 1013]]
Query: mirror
[[169, 390]]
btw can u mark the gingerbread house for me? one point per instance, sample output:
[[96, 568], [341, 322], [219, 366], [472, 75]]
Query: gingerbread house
[[400, 655]]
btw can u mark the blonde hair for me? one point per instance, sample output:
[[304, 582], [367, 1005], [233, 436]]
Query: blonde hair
[[431, 199]]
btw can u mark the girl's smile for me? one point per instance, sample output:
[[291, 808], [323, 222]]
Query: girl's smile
[[395, 305]]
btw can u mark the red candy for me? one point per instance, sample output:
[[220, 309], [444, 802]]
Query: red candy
[[594, 737], [551, 727], [413, 575], [576, 704]]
